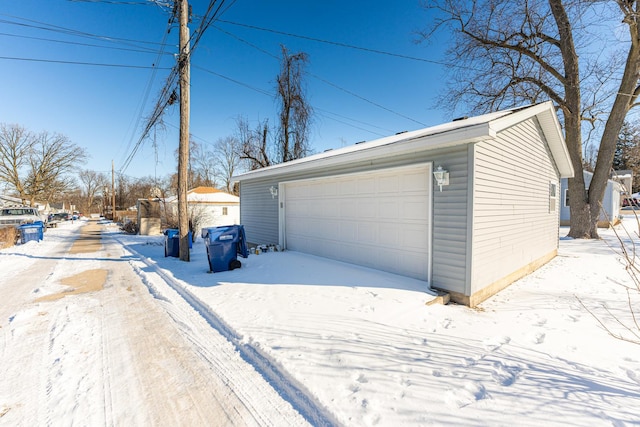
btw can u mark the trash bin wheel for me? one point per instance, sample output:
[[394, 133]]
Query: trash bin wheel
[[234, 264]]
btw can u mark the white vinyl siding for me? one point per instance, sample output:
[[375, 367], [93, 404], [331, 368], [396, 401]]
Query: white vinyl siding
[[259, 212], [513, 224], [450, 222]]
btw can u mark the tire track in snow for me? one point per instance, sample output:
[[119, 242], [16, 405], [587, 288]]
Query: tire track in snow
[[106, 371], [288, 388]]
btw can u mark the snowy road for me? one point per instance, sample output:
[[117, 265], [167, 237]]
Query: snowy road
[[100, 329], [108, 352]]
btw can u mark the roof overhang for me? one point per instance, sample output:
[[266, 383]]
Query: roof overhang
[[472, 130]]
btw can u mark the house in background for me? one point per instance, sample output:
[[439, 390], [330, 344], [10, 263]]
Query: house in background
[[468, 206], [209, 207], [9, 200], [611, 202]]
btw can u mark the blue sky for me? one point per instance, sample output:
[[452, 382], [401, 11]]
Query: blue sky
[[357, 94]]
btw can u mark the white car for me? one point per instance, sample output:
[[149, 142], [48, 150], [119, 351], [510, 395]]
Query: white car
[[18, 215]]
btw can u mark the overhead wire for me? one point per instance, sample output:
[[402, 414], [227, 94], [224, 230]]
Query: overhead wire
[[325, 81], [96, 64], [208, 18], [63, 30], [140, 50], [129, 3], [147, 92], [335, 43]]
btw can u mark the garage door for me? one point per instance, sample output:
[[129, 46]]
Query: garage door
[[377, 219]]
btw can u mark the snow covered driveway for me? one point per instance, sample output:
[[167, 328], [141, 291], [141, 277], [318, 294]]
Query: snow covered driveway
[[112, 355], [292, 339]]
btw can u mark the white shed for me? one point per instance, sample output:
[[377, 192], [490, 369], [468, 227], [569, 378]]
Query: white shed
[[380, 204], [611, 202]]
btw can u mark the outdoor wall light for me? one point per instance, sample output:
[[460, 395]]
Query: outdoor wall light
[[274, 192], [441, 176]]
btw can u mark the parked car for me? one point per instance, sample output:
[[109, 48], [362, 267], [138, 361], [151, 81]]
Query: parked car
[[18, 215], [61, 216], [56, 218]]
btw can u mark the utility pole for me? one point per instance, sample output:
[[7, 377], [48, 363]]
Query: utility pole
[[183, 147], [113, 193]]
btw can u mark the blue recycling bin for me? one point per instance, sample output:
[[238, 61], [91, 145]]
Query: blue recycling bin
[[172, 242], [224, 244], [31, 232]]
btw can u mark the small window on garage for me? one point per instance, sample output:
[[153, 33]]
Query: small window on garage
[[566, 197], [225, 211], [553, 196]]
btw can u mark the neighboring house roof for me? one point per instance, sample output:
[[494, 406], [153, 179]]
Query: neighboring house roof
[[207, 195], [465, 131]]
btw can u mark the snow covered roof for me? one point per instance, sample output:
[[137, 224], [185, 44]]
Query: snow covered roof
[[457, 132], [208, 195]]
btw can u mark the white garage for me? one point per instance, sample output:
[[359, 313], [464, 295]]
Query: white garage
[[492, 220], [377, 219]]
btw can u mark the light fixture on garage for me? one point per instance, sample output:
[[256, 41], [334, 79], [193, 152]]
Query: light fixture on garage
[[274, 192], [441, 176]]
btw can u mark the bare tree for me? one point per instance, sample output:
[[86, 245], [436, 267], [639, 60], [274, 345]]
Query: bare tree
[[255, 149], [291, 139], [202, 165], [92, 184], [16, 144], [37, 166], [505, 53], [52, 157], [295, 113], [228, 159]]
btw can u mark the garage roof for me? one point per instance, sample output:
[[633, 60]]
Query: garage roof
[[457, 132]]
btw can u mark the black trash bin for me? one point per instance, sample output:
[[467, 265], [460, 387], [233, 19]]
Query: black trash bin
[[224, 244], [172, 242]]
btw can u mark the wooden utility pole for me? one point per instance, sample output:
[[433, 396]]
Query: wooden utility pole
[[183, 147], [113, 193]]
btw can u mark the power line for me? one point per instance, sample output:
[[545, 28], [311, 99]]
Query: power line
[[238, 82], [130, 3], [147, 91], [95, 64], [335, 43], [79, 44], [168, 91], [272, 94], [63, 30], [366, 100], [324, 80]]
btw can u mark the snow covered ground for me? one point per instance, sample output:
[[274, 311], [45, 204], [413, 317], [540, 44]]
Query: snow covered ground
[[298, 339]]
